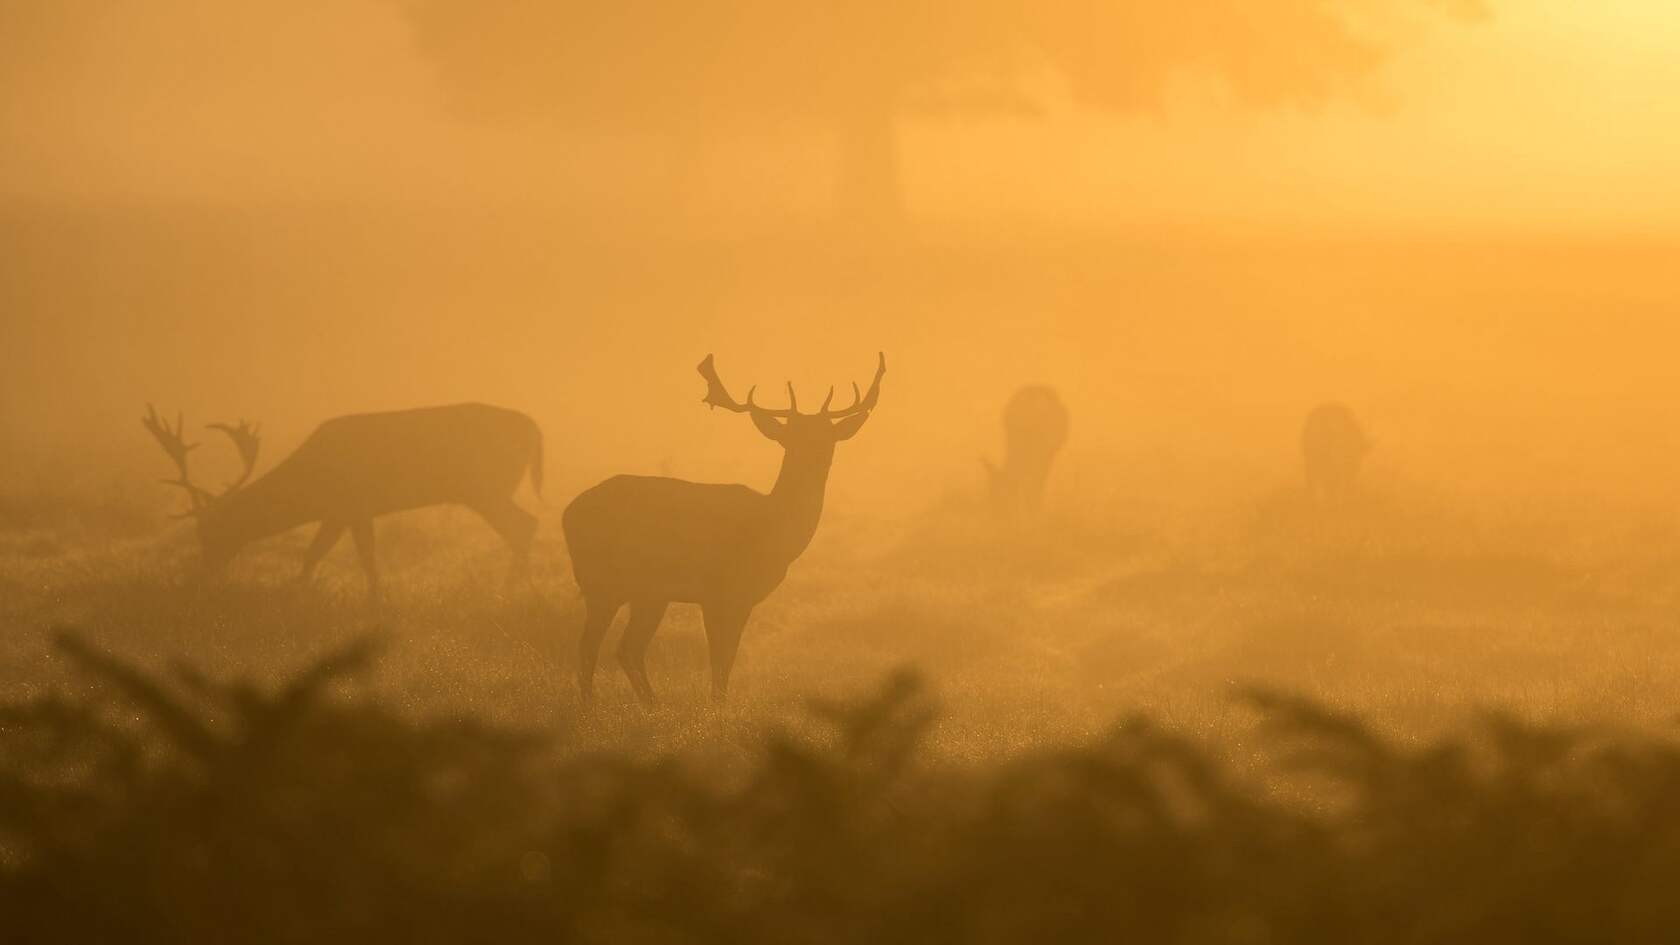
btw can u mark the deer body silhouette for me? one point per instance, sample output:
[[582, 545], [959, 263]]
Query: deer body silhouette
[[1035, 427], [648, 542], [355, 468], [1333, 447]]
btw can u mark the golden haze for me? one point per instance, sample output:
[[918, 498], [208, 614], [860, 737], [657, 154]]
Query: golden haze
[[1233, 348]]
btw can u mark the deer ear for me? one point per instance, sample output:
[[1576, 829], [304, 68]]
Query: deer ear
[[847, 428], [768, 426]]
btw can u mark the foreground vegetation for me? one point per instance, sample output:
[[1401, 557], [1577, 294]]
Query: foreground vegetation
[[182, 809]]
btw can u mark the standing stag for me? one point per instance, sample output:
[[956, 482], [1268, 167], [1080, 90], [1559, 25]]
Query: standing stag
[[354, 468], [649, 541], [1333, 447], [1035, 428]]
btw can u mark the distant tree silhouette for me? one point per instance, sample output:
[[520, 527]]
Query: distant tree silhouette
[[859, 66]]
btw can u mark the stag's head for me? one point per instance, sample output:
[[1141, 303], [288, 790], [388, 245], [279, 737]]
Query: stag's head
[[805, 434], [207, 508]]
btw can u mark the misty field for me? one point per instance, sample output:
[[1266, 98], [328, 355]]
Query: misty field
[[1283, 723], [1406, 609], [1186, 700]]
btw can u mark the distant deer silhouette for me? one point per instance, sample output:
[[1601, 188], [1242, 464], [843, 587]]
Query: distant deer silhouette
[[1333, 447], [1035, 428], [649, 541], [354, 468]]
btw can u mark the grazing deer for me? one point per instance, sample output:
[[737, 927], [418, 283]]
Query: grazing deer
[[1035, 428], [354, 468], [1333, 447], [649, 541]]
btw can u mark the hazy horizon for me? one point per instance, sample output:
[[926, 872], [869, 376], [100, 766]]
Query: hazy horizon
[[1544, 116]]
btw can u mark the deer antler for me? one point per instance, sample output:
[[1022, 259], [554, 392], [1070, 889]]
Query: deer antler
[[861, 403], [718, 396], [247, 439], [177, 447]]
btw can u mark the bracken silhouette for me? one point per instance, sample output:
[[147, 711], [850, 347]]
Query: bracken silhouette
[[181, 809]]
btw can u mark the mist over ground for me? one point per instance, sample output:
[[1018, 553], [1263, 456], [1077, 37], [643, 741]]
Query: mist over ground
[[1191, 696]]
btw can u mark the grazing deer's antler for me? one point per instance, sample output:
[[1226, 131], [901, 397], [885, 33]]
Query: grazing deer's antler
[[177, 447], [247, 439], [244, 435], [718, 396]]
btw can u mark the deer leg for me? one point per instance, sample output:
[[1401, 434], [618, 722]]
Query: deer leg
[[632, 649], [325, 537], [362, 533], [517, 527], [724, 623], [598, 614]]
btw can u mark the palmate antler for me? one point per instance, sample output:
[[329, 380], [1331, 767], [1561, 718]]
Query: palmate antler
[[177, 447], [246, 439], [718, 396]]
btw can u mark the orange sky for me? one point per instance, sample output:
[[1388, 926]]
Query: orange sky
[[1557, 114]]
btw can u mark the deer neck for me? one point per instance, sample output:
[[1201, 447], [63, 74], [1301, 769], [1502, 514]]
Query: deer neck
[[796, 502], [260, 509]]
